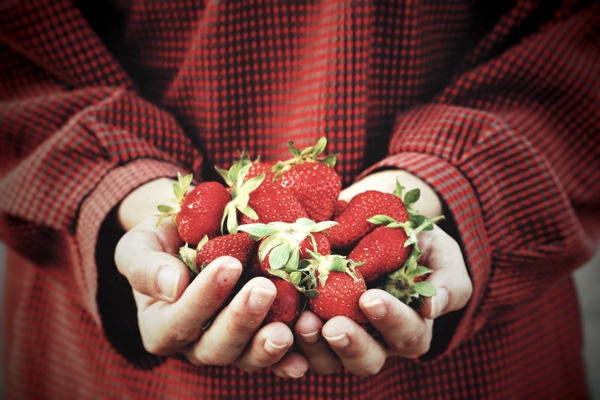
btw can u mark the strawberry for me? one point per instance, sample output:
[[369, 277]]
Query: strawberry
[[257, 168], [284, 244], [257, 199], [381, 251], [336, 288], [197, 212], [287, 305], [312, 179], [272, 203], [339, 208], [238, 245], [317, 242], [353, 223], [261, 168], [393, 249]]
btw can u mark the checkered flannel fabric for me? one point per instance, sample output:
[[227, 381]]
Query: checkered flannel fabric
[[495, 106]]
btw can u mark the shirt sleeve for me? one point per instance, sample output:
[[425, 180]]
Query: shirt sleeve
[[75, 138], [511, 146]]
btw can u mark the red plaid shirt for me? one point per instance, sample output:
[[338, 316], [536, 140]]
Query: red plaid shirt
[[496, 107]]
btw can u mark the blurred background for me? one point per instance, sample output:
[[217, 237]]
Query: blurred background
[[587, 279]]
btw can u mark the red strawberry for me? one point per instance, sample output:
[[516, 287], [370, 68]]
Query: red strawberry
[[287, 305], [312, 179], [382, 251], [238, 245], [339, 208], [317, 242], [272, 203], [260, 168], [257, 167], [353, 223], [199, 212], [339, 288]]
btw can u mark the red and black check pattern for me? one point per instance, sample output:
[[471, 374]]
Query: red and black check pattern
[[496, 107]]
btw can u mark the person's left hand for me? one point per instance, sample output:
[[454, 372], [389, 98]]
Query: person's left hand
[[404, 331]]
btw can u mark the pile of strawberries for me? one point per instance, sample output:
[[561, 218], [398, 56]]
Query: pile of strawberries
[[284, 221]]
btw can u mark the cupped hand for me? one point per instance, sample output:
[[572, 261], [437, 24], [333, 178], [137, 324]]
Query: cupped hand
[[403, 331], [205, 320]]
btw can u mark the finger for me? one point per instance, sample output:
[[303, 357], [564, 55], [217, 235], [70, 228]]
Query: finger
[[268, 346], [321, 358], [403, 329], [233, 328], [358, 351], [292, 365], [450, 277], [144, 256], [168, 328]]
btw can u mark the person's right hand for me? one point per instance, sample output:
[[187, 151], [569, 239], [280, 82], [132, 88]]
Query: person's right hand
[[198, 319]]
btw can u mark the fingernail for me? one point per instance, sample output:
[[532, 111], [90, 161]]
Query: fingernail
[[227, 275], [273, 348], [167, 282], [339, 341], [375, 309], [260, 299], [311, 337], [294, 375], [439, 302]]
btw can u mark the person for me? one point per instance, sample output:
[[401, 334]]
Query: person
[[491, 111]]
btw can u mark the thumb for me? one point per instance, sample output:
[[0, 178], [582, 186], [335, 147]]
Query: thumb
[[450, 277], [144, 255]]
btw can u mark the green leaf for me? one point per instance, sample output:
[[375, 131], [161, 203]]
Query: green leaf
[[230, 215], [381, 219], [418, 219], [412, 196], [320, 146], [295, 278], [258, 230], [188, 256], [311, 293], [279, 273], [323, 225], [419, 270], [293, 260], [399, 189], [338, 264], [279, 256], [164, 208], [424, 288], [249, 212], [224, 175], [295, 152], [251, 184]]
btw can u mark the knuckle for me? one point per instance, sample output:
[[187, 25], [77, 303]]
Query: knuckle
[[208, 358], [243, 323], [371, 370], [413, 346]]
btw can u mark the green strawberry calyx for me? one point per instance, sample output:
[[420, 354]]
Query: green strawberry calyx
[[282, 241], [309, 154], [180, 188], [240, 193], [188, 256]]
